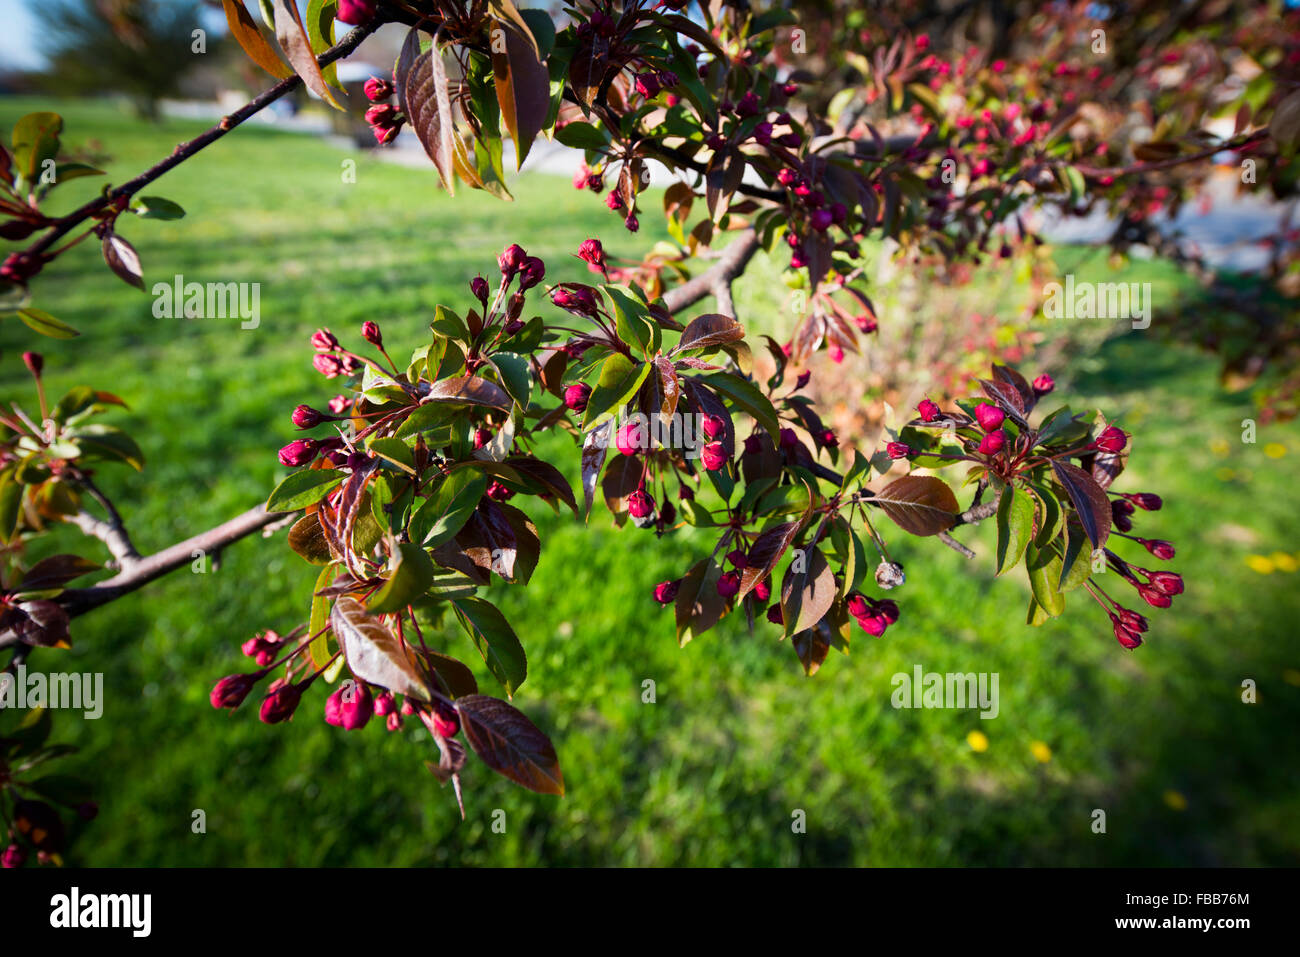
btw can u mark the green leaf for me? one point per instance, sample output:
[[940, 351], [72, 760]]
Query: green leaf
[[11, 497], [302, 488], [36, 139], [513, 370], [745, 396], [449, 324], [629, 321], [411, 578], [395, 451], [155, 207], [445, 512], [1015, 526], [107, 442], [431, 417], [1073, 571], [320, 619], [581, 136], [618, 382], [495, 640], [1044, 573], [46, 324]]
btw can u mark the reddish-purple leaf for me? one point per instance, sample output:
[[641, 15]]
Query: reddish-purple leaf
[[594, 448], [510, 744], [523, 88], [807, 591], [1090, 501], [709, 330], [765, 554], [374, 654], [123, 260], [919, 504], [469, 390], [421, 81]]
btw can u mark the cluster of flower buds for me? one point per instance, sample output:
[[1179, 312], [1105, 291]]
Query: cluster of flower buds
[[873, 615], [264, 647], [385, 119], [651, 84]]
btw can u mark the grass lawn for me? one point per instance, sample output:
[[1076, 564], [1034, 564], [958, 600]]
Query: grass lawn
[[738, 739]]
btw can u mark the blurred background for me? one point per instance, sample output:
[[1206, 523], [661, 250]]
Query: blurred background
[[738, 738]]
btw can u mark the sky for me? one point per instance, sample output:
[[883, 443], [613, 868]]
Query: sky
[[17, 39]]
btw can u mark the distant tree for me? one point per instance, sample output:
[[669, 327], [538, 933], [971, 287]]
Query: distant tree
[[140, 48]]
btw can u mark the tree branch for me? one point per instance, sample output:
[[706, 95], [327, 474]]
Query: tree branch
[[183, 151], [141, 571], [716, 280], [110, 533]]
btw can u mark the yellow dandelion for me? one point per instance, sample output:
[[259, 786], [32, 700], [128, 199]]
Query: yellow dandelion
[[1175, 801], [1220, 448], [1284, 562], [978, 741], [1042, 753], [1275, 450], [1224, 475], [1291, 676], [1260, 563]]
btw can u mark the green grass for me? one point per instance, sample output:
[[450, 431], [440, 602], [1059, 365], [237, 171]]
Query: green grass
[[738, 739]]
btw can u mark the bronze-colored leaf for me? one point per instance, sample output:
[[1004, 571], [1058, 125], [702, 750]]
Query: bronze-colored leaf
[[469, 390], [1090, 501], [765, 554], [594, 448], [709, 330], [699, 606], [123, 260], [807, 591], [523, 88], [291, 33], [510, 744], [374, 654], [421, 82], [455, 675], [488, 540], [919, 504], [245, 31]]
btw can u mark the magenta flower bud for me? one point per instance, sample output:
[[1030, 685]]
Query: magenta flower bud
[[990, 417], [324, 340], [640, 504], [298, 453], [632, 439], [1146, 500], [481, 438], [1120, 507], [1133, 621], [790, 89], [632, 224], [385, 134], [370, 332], [1129, 639], [763, 133], [393, 722], [802, 379], [1112, 440], [328, 366], [231, 690], [334, 709], [377, 89], [873, 624], [384, 704], [829, 439], [992, 443], [479, 287], [593, 254], [382, 116], [888, 610], [1160, 549], [511, 260], [305, 417], [356, 705], [1154, 597], [729, 585], [898, 450], [280, 704], [787, 177], [1044, 384], [35, 363], [821, 220], [614, 199], [738, 559], [665, 592], [499, 493], [857, 606], [1167, 583], [714, 426], [928, 410], [355, 12], [531, 271], [763, 590], [576, 396], [647, 84], [774, 615], [20, 267], [446, 721], [748, 105], [13, 856], [714, 456]]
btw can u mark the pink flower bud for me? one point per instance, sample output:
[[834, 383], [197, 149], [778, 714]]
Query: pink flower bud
[[328, 366], [355, 12], [928, 410], [446, 721], [992, 443], [774, 615], [384, 704], [1125, 636], [1148, 501], [370, 332], [632, 439], [898, 450], [377, 88], [857, 606], [802, 379], [647, 84], [511, 260], [1154, 597], [499, 493], [1167, 583], [577, 299], [1112, 440], [714, 456], [873, 624], [382, 116], [990, 417], [729, 585], [231, 690], [356, 705], [640, 504], [576, 396], [298, 453], [614, 199], [280, 704], [481, 438], [479, 287], [35, 363], [829, 439], [1044, 384], [593, 254], [631, 224], [305, 417], [13, 856], [1160, 549], [324, 340], [531, 271], [393, 722], [763, 590], [713, 426], [665, 592], [887, 609]]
